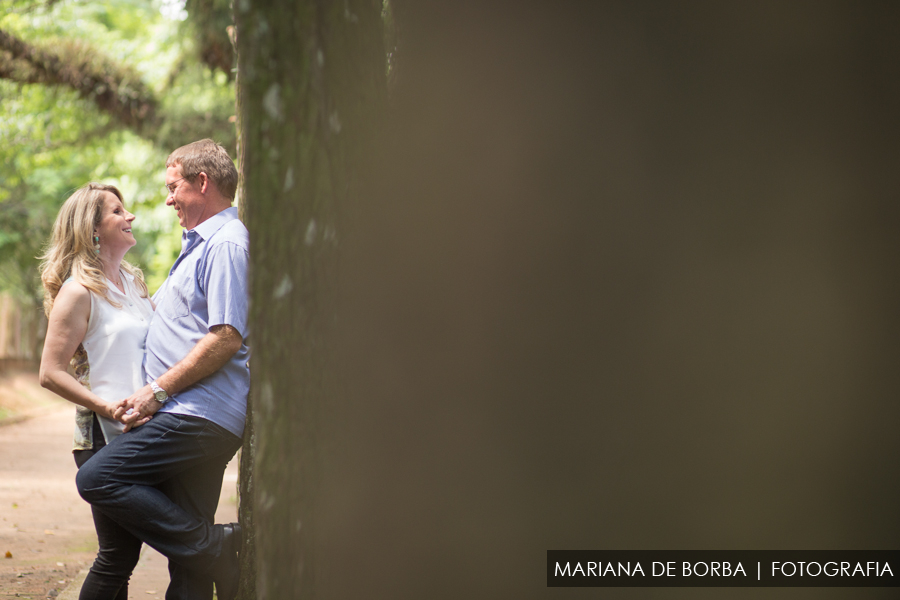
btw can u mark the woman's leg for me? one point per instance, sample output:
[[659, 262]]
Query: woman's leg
[[118, 554]]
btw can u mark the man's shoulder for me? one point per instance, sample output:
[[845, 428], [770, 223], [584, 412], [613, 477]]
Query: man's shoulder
[[227, 250], [232, 232]]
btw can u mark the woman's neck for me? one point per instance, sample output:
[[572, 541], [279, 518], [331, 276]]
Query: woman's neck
[[111, 270]]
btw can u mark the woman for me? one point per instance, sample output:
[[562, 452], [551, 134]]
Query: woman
[[98, 311]]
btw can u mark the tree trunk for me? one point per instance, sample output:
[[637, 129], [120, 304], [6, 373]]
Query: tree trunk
[[246, 510], [634, 292], [311, 82]]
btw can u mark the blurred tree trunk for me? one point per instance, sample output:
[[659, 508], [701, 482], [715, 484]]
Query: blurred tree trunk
[[633, 289], [248, 450], [311, 85]]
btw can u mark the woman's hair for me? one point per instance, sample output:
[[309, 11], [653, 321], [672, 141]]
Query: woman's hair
[[70, 252]]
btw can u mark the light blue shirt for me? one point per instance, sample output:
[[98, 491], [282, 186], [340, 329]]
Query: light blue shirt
[[207, 286]]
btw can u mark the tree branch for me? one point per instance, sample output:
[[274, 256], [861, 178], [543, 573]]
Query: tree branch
[[115, 90]]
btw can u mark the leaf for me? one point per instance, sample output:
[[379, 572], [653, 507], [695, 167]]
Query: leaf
[[8, 554]]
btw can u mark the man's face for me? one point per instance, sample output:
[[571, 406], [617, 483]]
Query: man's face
[[184, 197]]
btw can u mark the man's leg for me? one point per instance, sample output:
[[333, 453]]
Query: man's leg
[[120, 480], [196, 490]]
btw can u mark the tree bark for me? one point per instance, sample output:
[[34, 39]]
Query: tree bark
[[638, 273], [311, 82], [246, 512]]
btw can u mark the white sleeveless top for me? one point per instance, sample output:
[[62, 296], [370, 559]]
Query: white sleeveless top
[[110, 360]]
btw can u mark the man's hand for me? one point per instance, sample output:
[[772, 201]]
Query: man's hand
[[209, 355], [142, 406]]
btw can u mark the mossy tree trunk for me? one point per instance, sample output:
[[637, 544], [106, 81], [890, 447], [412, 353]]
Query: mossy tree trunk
[[311, 85], [248, 450]]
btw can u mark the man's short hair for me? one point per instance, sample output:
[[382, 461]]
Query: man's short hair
[[209, 157]]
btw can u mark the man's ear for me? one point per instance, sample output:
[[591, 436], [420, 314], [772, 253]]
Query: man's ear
[[204, 182]]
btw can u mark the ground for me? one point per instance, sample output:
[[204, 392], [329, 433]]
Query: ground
[[46, 532]]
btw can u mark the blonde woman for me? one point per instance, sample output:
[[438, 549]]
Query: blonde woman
[[99, 311]]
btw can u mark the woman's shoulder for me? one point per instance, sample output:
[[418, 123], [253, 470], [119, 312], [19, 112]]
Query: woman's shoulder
[[73, 293], [72, 304]]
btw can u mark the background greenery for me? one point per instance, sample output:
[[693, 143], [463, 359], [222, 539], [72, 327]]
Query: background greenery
[[95, 91]]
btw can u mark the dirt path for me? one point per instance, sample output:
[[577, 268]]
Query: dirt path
[[46, 532]]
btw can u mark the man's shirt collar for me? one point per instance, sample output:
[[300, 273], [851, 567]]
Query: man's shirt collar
[[190, 238], [214, 223]]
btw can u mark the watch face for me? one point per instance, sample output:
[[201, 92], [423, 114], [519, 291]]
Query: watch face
[[158, 393]]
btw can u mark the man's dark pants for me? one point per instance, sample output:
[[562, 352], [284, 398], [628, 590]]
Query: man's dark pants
[[161, 482]]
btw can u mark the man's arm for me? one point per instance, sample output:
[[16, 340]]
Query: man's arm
[[209, 355]]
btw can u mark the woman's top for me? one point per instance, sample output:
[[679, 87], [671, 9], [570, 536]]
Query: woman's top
[[110, 359]]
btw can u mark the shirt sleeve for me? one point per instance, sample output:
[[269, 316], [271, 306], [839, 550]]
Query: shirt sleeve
[[227, 292]]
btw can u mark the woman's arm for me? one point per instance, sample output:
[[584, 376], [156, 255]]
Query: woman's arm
[[66, 329]]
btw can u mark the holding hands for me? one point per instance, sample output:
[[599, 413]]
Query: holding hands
[[136, 409]]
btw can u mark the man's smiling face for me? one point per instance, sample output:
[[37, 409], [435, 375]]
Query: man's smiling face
[[187, 201]]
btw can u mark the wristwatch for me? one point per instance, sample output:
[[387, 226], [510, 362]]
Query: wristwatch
[[158, 393]]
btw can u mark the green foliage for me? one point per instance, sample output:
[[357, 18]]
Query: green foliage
[[198, 100], [53, 143], [208, 25], [53, 140]]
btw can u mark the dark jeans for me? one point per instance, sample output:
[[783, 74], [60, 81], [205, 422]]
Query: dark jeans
[[119, 550], [161, 482]]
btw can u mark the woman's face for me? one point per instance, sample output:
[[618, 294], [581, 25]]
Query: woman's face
[[114, 229]]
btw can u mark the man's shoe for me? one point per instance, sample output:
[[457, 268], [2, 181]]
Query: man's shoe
[[227, 571], [232, 537]]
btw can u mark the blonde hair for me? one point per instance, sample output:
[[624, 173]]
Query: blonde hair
[[70, 252], [210, 158]]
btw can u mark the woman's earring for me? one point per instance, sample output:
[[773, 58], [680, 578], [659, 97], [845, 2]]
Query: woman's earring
[[96, 244]]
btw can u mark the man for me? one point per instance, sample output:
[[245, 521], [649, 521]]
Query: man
[[162, 480]]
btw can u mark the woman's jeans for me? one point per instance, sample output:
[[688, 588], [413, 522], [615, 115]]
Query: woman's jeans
[[119, 550]]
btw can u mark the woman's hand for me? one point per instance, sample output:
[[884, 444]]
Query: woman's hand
[[109, 411], [137, 409]]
